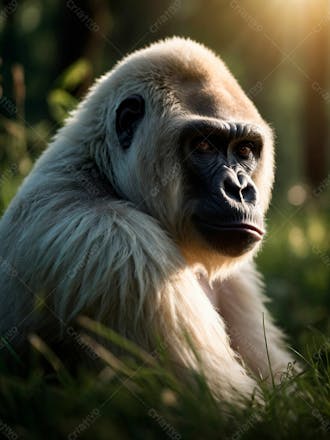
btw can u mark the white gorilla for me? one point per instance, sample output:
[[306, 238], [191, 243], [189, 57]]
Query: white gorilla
[[145, 212]]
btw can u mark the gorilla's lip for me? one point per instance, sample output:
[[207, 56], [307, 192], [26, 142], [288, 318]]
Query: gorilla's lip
[[249, 228], [243, 227]]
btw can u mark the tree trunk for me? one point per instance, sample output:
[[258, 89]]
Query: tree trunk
[[317, 93]]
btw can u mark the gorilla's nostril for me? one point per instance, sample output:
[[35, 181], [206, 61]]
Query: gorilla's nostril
[[232, 189], [248, 193]]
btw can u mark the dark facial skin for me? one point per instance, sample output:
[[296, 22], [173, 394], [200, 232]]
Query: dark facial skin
[[219, 160]]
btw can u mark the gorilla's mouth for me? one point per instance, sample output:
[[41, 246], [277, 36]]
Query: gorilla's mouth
[[244, 227], [233, 239]]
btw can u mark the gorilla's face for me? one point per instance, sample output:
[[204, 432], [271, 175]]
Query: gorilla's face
[[220, 159]]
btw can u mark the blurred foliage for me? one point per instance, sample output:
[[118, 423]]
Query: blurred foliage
[[296, 264], [60, 99]]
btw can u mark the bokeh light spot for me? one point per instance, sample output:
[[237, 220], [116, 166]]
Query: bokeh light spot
[[297, 195]]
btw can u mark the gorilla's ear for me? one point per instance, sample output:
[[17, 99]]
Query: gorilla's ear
[[128, 115]]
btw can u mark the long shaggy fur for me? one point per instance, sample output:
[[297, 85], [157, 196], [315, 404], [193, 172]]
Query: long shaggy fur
[[103, 232]]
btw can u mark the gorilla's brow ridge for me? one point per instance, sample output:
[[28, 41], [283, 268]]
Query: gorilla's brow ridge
[[226, 129]]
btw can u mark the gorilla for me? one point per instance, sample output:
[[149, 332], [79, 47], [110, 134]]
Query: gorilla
[[145, 213]]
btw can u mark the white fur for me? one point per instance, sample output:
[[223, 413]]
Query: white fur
[[87, 234]]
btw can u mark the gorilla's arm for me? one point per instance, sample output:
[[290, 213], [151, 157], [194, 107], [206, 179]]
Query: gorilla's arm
[[241, 302]]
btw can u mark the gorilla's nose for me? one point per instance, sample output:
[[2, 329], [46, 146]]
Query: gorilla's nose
[[238, 188]]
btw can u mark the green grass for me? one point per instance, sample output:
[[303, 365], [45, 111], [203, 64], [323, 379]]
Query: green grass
[[136, 398]]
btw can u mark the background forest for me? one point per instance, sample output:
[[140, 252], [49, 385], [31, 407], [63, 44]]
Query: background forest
[[279, 50]]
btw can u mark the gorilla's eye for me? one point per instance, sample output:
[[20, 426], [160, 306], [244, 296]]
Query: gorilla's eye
[[245, 150], [204, 146], [128, 115]]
